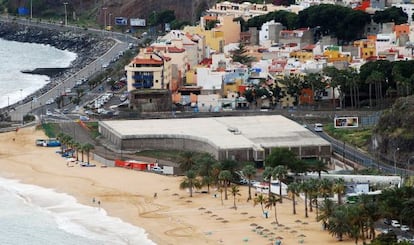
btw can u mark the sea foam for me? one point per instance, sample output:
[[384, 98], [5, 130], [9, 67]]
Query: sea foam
[[52, 216]]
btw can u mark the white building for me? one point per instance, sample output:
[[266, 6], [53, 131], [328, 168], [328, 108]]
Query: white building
[[208, 79], [408, 8]]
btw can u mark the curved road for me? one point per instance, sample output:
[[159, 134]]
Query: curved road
[[122, 44], [353, 154]]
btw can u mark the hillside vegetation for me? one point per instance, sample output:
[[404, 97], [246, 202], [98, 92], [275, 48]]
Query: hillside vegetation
[[94, 10]]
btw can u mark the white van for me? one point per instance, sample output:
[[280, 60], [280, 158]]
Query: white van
[[318, 127]]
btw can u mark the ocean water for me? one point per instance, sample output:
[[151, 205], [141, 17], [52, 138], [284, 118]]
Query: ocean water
[[32, 215], [38, 216], [16, 57]]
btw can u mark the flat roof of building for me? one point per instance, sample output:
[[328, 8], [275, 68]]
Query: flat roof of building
[[223, 132]]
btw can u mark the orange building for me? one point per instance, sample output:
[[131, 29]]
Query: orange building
[[403, 29]]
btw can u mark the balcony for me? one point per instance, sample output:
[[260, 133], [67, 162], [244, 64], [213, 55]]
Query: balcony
[[138, 77], [144, 84]]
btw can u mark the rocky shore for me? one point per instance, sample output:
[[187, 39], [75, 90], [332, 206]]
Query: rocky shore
[[87, 46]]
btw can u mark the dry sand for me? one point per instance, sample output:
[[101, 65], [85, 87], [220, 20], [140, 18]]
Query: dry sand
[[172, 217]]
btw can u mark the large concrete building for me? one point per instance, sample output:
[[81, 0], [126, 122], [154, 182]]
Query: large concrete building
[[249, 138]]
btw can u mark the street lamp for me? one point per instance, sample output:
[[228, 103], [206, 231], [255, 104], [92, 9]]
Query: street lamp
[[110, 20], [104, 15], [395, 161], [31, 9], [66, 14]]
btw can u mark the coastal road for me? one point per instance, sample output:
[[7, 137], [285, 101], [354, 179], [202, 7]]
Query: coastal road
[[122, 44], [353, 154]]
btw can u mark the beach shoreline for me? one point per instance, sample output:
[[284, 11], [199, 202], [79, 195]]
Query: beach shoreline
[[170, 216]]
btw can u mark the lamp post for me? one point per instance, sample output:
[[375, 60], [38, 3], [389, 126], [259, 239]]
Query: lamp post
[[31, 9], [110, 20], [104, 15], [66, 14], [395, 161]]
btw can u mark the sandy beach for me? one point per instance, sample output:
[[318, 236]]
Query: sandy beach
[[172, 217]]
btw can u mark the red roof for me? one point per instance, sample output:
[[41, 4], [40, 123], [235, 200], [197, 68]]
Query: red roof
[[363, 6], [175, 50], [309, 47], [206, 61], [139, 61]]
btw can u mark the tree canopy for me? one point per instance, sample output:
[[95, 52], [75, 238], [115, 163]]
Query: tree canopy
[[392, 14]]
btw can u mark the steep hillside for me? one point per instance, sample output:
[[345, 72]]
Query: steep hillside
[[395, 129], [184, 9]]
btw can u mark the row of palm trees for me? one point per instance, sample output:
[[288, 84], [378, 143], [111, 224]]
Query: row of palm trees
[[68, 142], [341, 219], [358, 220]]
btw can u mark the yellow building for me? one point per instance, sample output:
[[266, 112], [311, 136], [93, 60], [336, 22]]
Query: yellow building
[[302, 55], [232, 88], [334, 54], [191, 77], [366, 47], [230, 29], [214, 38]]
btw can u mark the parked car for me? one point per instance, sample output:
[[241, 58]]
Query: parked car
[[50, 101], [387, 221], [157, 169], [243, 181], [395, 223], [405, 228]]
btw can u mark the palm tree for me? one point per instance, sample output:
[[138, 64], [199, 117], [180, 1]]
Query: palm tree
[[77, 147], [190, 182], [319, 167], [249, 171], [370, 212], [204, 166], [305, 187], [267, 176], [215, 172], [225, 177], [294, 189], [326, 210], [357, 222], [259, 199], [338, 223], [235, 192], [280, 173], [60, 137], [339, 189], [186, 160], [325, 188], [408, 211], [272, 201], [87, 148]]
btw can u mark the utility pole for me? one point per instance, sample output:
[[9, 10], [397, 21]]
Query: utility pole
[[31, 9]]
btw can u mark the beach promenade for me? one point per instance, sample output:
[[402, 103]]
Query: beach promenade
[[172, 217]]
